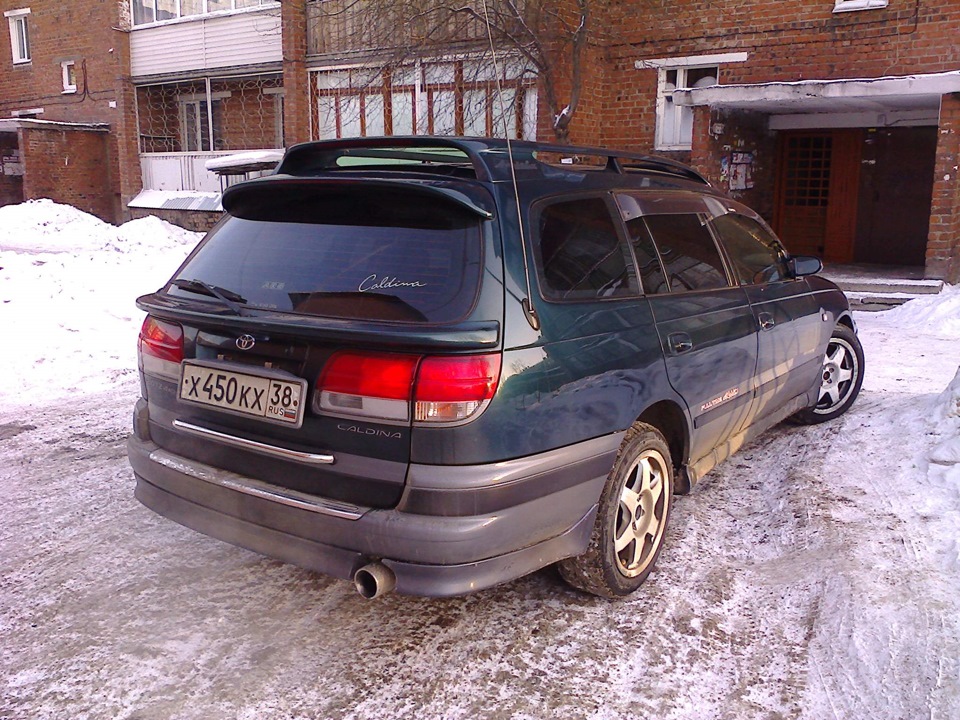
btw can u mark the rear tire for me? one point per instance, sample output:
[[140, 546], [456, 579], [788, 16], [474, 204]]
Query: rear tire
[[840, 379], [631, 519]]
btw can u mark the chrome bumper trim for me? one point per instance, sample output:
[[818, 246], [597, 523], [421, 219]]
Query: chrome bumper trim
[[253, 445], [257, 488]]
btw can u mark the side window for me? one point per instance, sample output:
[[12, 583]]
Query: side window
[[690, 256], [579, 253], [756, 254], [651, 272]]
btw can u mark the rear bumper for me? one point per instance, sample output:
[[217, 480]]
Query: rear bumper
[[526, 514]]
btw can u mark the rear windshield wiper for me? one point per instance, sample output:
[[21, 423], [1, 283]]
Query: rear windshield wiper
[[227, 297]]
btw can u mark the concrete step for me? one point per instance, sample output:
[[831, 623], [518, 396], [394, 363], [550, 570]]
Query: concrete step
[[888, 285], [876, 301], [873, 290]]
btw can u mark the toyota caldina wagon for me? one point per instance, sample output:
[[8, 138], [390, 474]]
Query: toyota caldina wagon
[[437, 364]]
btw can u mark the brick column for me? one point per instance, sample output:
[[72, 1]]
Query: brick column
[[126, 128], [943, 241], [296, 85]]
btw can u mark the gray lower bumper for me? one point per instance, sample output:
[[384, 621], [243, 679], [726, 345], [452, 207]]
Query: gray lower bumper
[[431, 555]]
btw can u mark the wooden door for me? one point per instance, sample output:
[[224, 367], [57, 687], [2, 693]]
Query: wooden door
[[816, 193]]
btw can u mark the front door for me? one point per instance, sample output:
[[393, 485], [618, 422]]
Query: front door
[[816, 193], [896, 190]]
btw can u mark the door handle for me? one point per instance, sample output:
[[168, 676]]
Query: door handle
[[680, 343], [766, 320]]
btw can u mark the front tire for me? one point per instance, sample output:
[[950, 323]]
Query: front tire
[[840, 379], [631, 519]]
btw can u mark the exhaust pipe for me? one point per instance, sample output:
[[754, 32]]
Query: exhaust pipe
[[374, 580]]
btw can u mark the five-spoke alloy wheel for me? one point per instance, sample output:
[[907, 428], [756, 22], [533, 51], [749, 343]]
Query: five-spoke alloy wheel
[[631, 518], [840, 378]]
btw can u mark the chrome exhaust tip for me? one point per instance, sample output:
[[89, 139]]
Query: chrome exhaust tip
[[374, 580]]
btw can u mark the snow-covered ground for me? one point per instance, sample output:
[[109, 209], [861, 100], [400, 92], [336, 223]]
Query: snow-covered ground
[[816, 574]]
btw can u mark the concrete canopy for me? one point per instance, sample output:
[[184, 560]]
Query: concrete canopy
[[904, 100]]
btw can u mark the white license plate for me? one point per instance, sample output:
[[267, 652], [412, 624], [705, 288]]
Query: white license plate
[[269, 398]]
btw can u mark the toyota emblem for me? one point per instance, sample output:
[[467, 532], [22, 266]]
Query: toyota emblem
[[246, 342]]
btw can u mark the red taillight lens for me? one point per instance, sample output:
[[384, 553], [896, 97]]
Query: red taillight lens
[[389, 387], [161, 339], [367, 385], [457, 378], [453, 389], [369, 375]]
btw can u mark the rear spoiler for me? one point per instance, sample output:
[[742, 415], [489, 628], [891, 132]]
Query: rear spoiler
[[254, 198]]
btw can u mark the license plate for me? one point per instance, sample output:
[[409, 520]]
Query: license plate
[[261, 396]]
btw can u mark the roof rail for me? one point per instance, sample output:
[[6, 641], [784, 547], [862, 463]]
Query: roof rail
[[622, 161], [325, 155]]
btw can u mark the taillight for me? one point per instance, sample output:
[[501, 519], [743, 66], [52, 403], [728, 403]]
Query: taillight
[[385, 386], [161, 340], [368, 385], [451, 389]]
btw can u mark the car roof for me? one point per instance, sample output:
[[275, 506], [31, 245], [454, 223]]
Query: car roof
[[484, 159]]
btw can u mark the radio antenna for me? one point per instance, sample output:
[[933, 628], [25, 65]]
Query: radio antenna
[[526, 303]]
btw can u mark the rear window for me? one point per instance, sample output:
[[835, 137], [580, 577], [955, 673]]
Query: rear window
[[375, 256]]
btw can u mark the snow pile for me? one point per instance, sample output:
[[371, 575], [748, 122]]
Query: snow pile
[[936, 314], [946, 414], [68, 282]]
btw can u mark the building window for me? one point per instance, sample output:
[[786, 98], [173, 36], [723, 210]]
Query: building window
[[69, 71], [441, 98], [195, 124], [151, 11], [675, 123], [850, 5], [19, 34]]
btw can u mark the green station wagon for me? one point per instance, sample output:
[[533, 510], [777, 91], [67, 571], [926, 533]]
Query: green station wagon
[[438, 364]]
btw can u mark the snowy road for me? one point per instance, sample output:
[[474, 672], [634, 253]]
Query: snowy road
[[800, 580], [814, 575]]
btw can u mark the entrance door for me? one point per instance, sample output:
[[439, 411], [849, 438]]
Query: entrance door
[[817, 188], [896, 189]]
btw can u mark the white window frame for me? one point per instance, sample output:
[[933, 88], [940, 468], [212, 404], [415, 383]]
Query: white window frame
[[65, 70], [681, 65], [204, 131], [179, 17], [19, 35], [679, 140], [853, 5]]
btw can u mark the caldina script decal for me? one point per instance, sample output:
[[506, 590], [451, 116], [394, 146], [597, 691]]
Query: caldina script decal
[[371, 282]]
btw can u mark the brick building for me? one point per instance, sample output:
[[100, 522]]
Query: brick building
[[58, 100], [839, 120]]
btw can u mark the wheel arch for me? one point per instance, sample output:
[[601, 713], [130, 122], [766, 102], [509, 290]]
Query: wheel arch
[[669, 418], [847, 320]]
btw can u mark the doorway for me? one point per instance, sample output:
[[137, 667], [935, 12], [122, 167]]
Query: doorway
[[856, 195], [896, 189], [817, 192]]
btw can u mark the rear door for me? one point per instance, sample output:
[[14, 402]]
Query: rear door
[[704, 321]]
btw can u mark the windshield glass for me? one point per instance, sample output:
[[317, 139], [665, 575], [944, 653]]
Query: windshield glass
[[419, 269]]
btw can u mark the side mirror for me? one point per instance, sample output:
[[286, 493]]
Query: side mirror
[[803, 265]]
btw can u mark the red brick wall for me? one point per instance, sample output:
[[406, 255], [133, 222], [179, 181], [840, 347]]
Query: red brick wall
[[68, 166], [943, 245], [296, 82], [784, 41], [81, 31]]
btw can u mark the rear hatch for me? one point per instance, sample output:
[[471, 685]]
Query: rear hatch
[[317, 324]]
